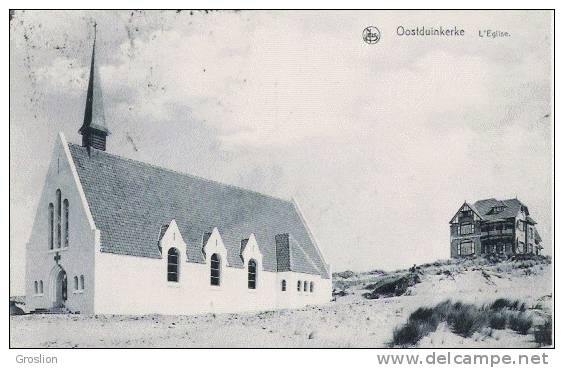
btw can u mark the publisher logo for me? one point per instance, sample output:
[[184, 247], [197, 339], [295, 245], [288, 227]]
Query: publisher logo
[[371, 35]]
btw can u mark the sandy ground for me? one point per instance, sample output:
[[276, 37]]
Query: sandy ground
[[350, 321]]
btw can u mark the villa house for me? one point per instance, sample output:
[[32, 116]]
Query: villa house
[[491, 226]]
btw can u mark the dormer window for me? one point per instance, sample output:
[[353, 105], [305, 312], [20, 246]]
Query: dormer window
[[498, 209]]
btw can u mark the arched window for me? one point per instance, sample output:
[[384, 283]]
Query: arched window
[[81, 282], [172, 274], [76, 283], [305, 286], [283, 285], [215, 270], [299, 286], [35, 288], [51, 224], [66, 227], [311, 287], [58, 218], [252, 279], [40, 286]]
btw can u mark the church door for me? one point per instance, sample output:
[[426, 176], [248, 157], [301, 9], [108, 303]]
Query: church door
[[61, 289]]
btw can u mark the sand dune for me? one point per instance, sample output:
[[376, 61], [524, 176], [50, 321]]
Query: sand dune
[[349, 321]]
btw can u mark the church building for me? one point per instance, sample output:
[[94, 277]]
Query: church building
[[118, 236]]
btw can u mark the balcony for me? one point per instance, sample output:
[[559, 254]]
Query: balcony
[[504, 232]]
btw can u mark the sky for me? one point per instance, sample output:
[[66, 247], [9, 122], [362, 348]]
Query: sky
[[380, 144]]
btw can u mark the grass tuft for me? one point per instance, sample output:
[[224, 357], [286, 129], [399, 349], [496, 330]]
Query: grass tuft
[[411, 332], [521, 323], [504, 303], [406, 335], [466, 319], [498, 321], [543, 333]]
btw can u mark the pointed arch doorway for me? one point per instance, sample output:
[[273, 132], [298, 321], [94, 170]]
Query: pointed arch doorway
[[58, 286]]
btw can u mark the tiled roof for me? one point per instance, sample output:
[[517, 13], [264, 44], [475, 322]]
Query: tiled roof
[[130, 201], [473, 208], [511, 208]]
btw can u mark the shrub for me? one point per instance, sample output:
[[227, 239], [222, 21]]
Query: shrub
[[406, 335], [521, 323], [339, 293], [514, 305], [411, 332], [500, 304], [442, 310], [543, 333], [344, 274], [504, 303], [395, 285], [419, 324], [14, 309], [466, 320], [422, 314], [377, 272], [498, 321]]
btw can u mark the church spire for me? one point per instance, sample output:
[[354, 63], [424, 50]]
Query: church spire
[[94, 129]]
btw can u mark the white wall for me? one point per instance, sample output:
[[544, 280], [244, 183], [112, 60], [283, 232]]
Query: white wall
[[138, 285], [322, 290], [78, 258]]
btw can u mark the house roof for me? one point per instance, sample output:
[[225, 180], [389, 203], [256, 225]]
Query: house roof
[[471, 206], [511, 208], [131, 200]]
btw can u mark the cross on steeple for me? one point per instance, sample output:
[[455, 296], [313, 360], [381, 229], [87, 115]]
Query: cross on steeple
[[94, 129]]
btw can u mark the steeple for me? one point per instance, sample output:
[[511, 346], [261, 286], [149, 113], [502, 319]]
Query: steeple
[[94, 129]]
